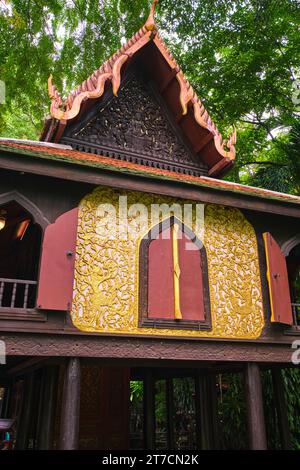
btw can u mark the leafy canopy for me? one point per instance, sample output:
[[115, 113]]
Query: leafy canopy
[[241, 56]]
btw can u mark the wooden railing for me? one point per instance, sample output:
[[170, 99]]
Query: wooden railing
[[296, 314], [17, 294]]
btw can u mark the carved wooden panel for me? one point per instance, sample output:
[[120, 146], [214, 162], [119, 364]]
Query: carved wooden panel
[[106, 289], [135, 126]]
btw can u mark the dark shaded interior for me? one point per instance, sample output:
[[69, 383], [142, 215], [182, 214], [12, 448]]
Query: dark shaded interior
[[20, 243]]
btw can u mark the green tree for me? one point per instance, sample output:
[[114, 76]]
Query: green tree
[[241, 56]]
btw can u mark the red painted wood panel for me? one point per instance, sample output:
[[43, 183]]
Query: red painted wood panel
[[278, 282], [191, 284], [160, 277], [56, 278]]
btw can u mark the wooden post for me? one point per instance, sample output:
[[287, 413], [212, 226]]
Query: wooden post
[[69, 425], [149, 410], [170, 413], [281, 409], [255, 409], [6, 404], [48, 402], [26, 413], [215, 441]]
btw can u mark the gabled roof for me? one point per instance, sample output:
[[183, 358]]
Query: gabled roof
[[186, 107]]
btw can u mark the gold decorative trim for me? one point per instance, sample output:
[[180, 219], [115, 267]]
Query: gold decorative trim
[[106, 284], [176, 272]]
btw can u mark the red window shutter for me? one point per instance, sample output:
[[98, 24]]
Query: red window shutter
[[160, 277], [277, 276], [191, 284], [56, 278]]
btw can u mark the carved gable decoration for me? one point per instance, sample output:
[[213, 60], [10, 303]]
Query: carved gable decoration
[[146, 52], [135, 126]]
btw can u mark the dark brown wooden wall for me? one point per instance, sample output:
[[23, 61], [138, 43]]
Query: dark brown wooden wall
[[56, 196], [53, 197]]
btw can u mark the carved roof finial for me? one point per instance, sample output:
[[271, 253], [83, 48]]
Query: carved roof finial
[[150, 23]]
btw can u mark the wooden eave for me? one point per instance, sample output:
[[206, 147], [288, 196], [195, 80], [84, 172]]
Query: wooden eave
[[97, 170]]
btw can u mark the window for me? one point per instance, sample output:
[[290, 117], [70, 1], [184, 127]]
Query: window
[[174, 291], [20, 244]]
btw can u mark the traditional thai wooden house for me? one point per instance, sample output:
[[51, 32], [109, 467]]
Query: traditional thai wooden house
[[89, 301]]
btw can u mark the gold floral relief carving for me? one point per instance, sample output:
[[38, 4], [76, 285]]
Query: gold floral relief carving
[[106, 271]]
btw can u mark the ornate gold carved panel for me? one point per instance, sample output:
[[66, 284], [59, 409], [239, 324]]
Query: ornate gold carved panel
[[107, 275]]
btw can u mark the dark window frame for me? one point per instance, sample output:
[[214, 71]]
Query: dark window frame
[[160, 323], [32, 313]]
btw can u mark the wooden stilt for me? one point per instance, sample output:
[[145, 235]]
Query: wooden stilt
[[69, 426], [215, 441], [281, 409], [6, 404], [48, 402], [255, 409], [149, 410], [170, 413], [26, 413]]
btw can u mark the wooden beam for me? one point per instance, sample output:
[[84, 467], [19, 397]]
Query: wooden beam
[[149, 410], [182, 190], [141, 350], [203, 411], [255, 409], [69, 425], [203, 142], [48, 404], [214, 412], [168, 80], [281, 409], [26, 366], [220, 167]]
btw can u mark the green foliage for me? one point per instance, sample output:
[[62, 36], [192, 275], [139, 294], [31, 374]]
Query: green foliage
[[273, 437], [292, 386], [232, 412], [136, 390], [242, 57]]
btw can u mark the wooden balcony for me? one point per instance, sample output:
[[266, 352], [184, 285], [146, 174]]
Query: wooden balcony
[[17, 294]]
